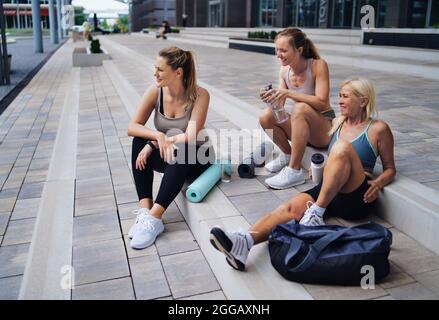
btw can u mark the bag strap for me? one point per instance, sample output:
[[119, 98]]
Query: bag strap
[[317, 247], [325, 241]]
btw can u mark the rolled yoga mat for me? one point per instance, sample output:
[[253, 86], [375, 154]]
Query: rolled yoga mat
[[257, 158], [206, 181]]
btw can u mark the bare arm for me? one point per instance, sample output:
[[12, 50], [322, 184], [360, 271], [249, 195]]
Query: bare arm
[[385, 146], [136, 127]]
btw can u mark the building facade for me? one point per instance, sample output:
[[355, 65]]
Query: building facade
[[18, 13], [150, 13], [307, 13]]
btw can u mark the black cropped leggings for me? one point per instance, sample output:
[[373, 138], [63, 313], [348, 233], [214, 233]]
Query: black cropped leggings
[[174, 175]]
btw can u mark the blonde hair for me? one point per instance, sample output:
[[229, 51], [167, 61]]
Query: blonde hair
[[361, 88], [179, 58], [299, 39]]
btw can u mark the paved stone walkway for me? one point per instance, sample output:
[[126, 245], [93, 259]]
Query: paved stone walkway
[[105, 267]]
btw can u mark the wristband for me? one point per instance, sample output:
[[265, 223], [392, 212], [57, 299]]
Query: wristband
[[149, 143]]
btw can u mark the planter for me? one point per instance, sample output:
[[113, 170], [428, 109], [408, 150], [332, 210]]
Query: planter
[[253, 45], [82, 57]]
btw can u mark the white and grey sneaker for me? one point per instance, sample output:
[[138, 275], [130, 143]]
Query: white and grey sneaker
[[280, 162], [140, 213], [287, 178], [311, 218], [233, 244], [148, 231]]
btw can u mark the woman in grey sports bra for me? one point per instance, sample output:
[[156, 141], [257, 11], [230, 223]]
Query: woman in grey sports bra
[[180, 107], [304, 78]]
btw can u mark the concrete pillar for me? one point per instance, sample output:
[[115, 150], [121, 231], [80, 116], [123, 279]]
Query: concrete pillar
[[36, 22], [58, 15], [52, 22]]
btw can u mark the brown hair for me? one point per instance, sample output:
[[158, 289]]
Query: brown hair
[[299, 39], [179, 58]]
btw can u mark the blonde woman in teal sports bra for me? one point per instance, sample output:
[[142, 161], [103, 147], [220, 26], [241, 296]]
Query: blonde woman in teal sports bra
[[348, 188]]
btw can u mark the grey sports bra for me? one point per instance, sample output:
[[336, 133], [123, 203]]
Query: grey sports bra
[[172, 126]]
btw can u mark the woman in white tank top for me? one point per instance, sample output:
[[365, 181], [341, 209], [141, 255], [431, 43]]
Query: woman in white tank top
[[304, 78]]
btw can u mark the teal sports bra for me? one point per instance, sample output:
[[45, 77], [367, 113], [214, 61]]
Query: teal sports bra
[[362, 145]]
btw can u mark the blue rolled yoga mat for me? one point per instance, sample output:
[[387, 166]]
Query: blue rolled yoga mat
[[206, 181]]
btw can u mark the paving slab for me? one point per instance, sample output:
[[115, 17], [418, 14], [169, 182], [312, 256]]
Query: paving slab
[[149, 278], [10, 287], [414, 291], [118, 289], [4, 219], [93, 205], [98, 261], [19, 232], [177, 238], [13, 260], [25, 208], [429, 280], [189, 274], [95, 227]]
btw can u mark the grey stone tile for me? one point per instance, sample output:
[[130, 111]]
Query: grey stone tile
[[430, 280], [286, 195], [13, 260], [118, 289], [10, 288], [385, 298], [327, 292], [16, 177], [93, 205], [126, 225], [177, 238], [410, 256], [134, 253], [254, 206], [396, 278], [25, 208], [126, 210], [172, 214], [125, 193], [7, 204], [19, 232], [33, 176], [149, 278], [238, 186], [98, 261], [95, 227], [414, 291], [1, 239], [216, 295], [31, 190], [93, 187], [4, 219], [189, 274], [371, 217]]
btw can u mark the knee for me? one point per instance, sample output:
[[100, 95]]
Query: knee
[[341, 149], [301, 110], [266, 119], [287, 211]]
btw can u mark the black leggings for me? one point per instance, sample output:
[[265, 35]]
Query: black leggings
[[174, 175]]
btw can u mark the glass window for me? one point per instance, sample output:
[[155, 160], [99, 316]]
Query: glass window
[[268, 13], [434, 14], [342, 13], [418, 13]]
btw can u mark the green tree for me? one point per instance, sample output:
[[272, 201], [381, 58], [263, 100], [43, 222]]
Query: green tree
[[80, 17], [105, 25]]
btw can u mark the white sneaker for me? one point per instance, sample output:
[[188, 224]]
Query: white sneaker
[[311, 218], [149, 229], [280, 162], [287, 178], [233, 244], [140, 213]]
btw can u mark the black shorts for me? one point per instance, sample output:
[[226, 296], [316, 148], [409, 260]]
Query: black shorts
[[349, 206]]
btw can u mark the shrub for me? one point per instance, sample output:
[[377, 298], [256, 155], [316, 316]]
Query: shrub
[[175, 30], [95, 46], [90, 37]]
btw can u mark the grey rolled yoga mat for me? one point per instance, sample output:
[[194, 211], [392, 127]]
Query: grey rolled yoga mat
[[257, 158]]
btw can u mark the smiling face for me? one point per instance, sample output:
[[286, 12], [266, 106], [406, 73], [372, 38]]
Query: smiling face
[[350, 104], [164, 74], [287, 54]]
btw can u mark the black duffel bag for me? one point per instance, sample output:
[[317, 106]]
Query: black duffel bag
[[330, 254]]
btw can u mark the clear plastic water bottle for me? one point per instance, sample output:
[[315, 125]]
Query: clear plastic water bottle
[[280, 115]]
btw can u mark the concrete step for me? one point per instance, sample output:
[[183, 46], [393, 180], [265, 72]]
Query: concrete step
[[402, 203]]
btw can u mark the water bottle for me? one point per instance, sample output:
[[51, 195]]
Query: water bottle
[[280, 115], [317, 164]]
